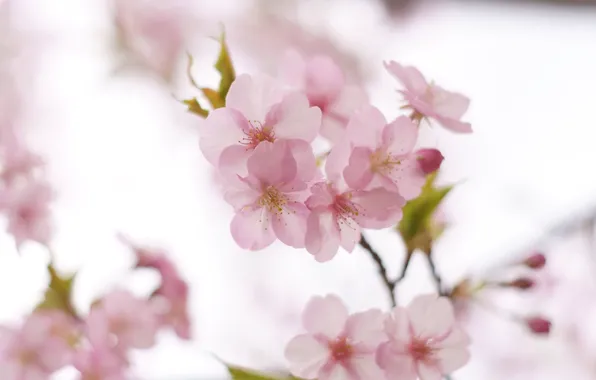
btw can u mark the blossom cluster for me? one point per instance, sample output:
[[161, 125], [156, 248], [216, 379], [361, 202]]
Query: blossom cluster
[[98, 344], [421, 340], [261, 144], [261, 141]]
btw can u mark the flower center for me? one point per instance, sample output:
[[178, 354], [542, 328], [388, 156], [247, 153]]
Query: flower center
[[273, 200], [341, 349], [345, 210], [383, 162], [420, 350], [257, 133]]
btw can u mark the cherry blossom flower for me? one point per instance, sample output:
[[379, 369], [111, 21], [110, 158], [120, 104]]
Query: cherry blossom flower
[[429, 100], [171, 298], [155, 32], [269, 201], [257, 110], [100, 362], [336, 217], [18, 162], [337, 345], [131, 322], [27, 208], [382, 154], [323, 82], [424, 341], [42, 346]]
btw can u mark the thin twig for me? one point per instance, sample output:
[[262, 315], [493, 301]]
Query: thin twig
[[389, 285], [404, 269], [435, 273]]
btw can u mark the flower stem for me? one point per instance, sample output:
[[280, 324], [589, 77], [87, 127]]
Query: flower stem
[[389, 285]]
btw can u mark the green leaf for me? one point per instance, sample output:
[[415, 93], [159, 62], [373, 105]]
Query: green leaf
[[195, 107], [417, 213], [58, 295], [213, 97], [225, 68], [245, 374]]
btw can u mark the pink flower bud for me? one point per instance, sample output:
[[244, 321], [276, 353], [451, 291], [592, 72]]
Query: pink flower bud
[[522, 283], [536, 261], [429, 160], [539, 325]]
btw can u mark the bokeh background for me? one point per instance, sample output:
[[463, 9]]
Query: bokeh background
[[123, 155]]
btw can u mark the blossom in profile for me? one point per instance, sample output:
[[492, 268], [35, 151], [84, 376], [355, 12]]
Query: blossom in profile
[[427, 100]]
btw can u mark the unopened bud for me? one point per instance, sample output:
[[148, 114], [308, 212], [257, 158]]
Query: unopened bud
[[429, 160], [522, 283], [539, 325], [536, 261]]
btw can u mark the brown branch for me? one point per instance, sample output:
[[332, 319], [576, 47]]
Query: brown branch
[[389, 285], [435, 273]]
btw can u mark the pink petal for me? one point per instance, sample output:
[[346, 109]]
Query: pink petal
[[232, 161], [322, 237], [305, 159], [457, 338], [241, 197], [251, 229], [408, 177], [321, 197], [253, 96], [337, 160], [306, 356], [411, 78], [325, 315], [272, 163], [293, 69], [358, 174], [397, 326], [429, 372], [452, 359], [367, 328], [455, 125], [431, 316], [336, 371], [290, 225], [380, 208], [395, 365], [365, 367], [293, 118], [337, 114], [324, 80], [349, 232], [366, 126], [223, 128], [349, 100], [400, 136], [449, 104]]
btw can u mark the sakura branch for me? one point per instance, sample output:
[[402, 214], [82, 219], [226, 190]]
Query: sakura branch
[[258, 136]]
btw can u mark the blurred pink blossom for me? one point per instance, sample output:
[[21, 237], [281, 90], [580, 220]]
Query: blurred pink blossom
[[41, 346], [336, 346], [132, 322], [323, 82], [154, 32], [424, 341]]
